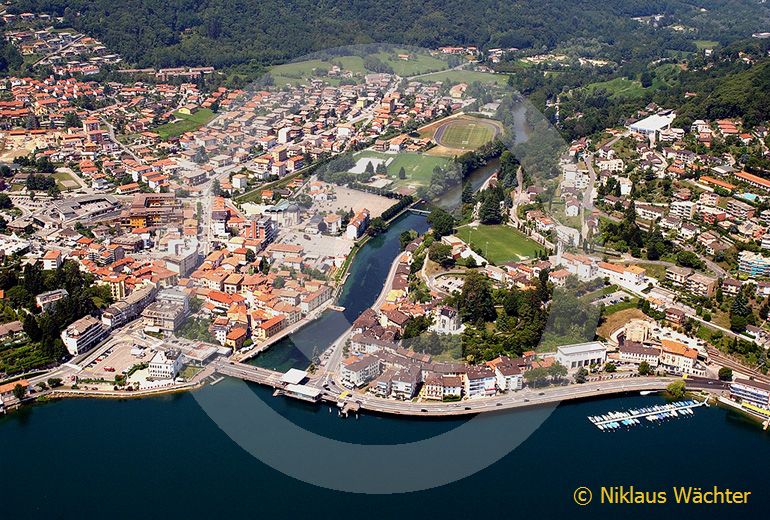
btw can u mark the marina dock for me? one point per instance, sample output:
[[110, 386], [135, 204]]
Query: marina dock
[[651, 414]]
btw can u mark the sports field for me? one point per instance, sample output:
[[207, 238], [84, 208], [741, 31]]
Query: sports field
[[465, 133], [499, 244], [455, 135], [418, 167]]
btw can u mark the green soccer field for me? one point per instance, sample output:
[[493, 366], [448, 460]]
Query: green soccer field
[[418, 167], [466, 134], [499, 244]]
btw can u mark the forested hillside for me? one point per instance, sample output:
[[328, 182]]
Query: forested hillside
[[237, 32]]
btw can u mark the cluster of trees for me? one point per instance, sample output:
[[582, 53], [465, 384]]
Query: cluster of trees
[[433, 343], [21, 286], [37, 182], [41, 164], [627, 236], [541, 376], [518, 316], [491, 200], [397, 207], [441, 222], [250, 34]]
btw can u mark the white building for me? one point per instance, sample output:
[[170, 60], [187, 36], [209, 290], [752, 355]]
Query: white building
[[83, 334], [357, 371], [581, 354], [165, 365], [446, 320], [480, 382], [650, 126], [683, 209]]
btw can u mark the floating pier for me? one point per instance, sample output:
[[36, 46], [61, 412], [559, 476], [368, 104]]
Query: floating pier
[[650, 414]]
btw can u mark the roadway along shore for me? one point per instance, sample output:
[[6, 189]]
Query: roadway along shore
[[520, 399]]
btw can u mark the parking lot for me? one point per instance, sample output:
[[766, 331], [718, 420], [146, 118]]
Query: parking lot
[[357, 200], [612, 298], [321, 245], [449, 284], [115, 360]]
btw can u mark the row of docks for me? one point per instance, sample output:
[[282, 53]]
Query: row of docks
[[652, 414]]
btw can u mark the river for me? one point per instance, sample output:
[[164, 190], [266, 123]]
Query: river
[[364, 283]]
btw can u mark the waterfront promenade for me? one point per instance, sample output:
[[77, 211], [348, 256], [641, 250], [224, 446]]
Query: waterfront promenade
[[519, 399]]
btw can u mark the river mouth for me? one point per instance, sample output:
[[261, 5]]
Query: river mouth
[[367, 274]]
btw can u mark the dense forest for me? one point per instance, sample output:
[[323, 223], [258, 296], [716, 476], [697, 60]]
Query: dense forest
[[252, 34]]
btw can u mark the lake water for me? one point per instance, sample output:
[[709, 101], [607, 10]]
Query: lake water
[[163, 457]]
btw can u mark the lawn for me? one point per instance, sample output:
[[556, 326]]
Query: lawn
[[465, 133], [185, 123], [65, 182], [705, 44], [466, 76], [300, 71], [619, 87], [417, 63], [499, 244], [419, 167]]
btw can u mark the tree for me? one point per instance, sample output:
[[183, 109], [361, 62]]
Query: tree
[[216, 188], [725, 374], [557, 371], [644, 368], [536, 376], [5, 201], [53, 382], [441, 254], [71, 120], [402, 173], [610, 367], [377, 226], [442, 223], [406, 237], [31, 328], [467, 194], [19, 391], [677, 389], [476, 302], [689, 259], [739, 313], [489, 212], [581, 375]]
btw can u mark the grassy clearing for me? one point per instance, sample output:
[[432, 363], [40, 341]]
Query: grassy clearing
[[499, 244], [301, 71], [466, 76], [65, 182], [654, 270], [619, 87], [419, 167], [185, 123], [705, 44]]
